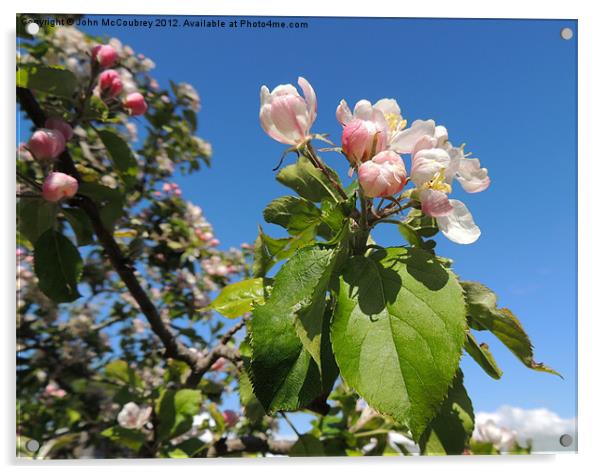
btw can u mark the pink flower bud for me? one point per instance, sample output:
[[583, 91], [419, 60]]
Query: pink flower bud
[[59, 186], [58, 124], [135, 104], [285, 115], [46, 144], [362, 139], [213, 243], [230, 418], [104, 54], [384, 175], [110, 83], [219, 364]]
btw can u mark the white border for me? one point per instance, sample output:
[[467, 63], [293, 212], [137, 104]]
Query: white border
[[590, 172]]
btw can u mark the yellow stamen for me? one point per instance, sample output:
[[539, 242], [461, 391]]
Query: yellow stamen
[[395, 122], [438, 183]]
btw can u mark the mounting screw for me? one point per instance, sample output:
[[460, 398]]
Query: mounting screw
[[566, 33], [566, 440]]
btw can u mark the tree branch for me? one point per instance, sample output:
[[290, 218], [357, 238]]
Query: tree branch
[[249, 444], [223, 349]]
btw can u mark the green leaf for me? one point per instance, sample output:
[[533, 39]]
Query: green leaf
[[484, 314], [120, 371], [398, 331], [451, 429], [55, 81], [253, 410], [424, 226], [240, 297], [480, 353], [309, 320], [334, 216], [307, 181], [132, 439], [268, 251], [410, 234], [81, 225], [307, 445], [58, 266], [283, 373], [175, 410], [109, 200], [293, 213], [121, 155], [34, 217], [190, 117], [187, 449], [96, 109]]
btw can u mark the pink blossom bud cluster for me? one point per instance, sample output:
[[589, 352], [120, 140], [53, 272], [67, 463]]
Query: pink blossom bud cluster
[[216, 266], [53, 390], [172, 188], [111, 83], [373, 139], [45, 145]]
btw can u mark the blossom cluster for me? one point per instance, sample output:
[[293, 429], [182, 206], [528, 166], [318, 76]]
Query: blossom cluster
[[375, 138], [48, 143]]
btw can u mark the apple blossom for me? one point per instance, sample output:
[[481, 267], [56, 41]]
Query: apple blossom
[[499, 436], [467, 171], [46, 144], [230, 418], [110, 83], [285, 115], [59, 186], [53, 390], [384, 175], [135, 104], [58, 124], [435, 164], [364, 131], [453, 218], [133, 417], [104, 54]]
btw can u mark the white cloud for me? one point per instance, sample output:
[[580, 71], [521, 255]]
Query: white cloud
[[542, 426]]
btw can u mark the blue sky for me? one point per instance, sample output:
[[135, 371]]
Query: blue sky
[[506, 88]]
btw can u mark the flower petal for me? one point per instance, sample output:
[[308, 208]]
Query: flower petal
[[388, 106], [471, 176], [459, 226], [344, 115], [264, 96], [310, 99], [404, 141], [426, 163], [363, 110], [265, 118], [435, 203]]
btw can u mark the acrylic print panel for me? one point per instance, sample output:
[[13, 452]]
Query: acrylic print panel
[[243, 236]]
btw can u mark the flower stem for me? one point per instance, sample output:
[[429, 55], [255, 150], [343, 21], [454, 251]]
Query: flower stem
[[317, 162]]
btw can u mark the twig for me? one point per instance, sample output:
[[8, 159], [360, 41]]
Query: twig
[[221, 350], [317, 162], [290, 423]]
